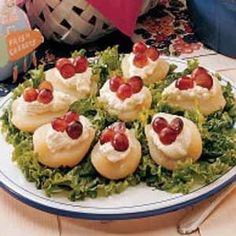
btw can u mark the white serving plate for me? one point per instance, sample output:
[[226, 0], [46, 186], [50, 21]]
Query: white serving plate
[[135, 202]]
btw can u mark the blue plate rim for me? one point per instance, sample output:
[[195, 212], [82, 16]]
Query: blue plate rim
[[116, 216]]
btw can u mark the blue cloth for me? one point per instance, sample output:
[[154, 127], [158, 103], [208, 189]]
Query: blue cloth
[[215, 24]]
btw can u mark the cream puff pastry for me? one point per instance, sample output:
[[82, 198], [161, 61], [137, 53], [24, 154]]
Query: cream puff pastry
[[73, 77], [64, 142], [146, 63], [125, 99], [172, 139], [36, 107], [198, 91], [117, 154]]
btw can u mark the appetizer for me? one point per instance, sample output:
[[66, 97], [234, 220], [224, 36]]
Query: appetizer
[[64, 142], [118, 153], [74, 77], [199, 90], [145, 62], [36, 107], [172, 139], [125, 99]]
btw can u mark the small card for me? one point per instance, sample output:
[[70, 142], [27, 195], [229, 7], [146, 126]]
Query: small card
[[22, 43]]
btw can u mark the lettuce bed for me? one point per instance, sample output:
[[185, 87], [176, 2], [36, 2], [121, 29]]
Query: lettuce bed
[[217, 130]]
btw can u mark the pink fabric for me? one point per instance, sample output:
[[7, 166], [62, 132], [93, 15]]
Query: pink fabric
[[18, 2], [121, 13]]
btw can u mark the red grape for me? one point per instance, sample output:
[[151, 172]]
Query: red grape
[[139, 47], [71, 116], [140, 60], [74, 129], [66, 68], [30, 94], [45, 85], [159, 123], [136, 83], [152, 53], [177, 125], [199, 70], [124, 91], [204, 80], [115, 82], [106, 136], [45, 96], [120, 142], [61, 62], [59, 124], [184, 83], [81, 64], [67, 71], [167, 136]]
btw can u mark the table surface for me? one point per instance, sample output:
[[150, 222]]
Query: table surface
[[19, 219]]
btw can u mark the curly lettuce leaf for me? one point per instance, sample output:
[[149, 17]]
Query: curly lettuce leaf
[[94, 110], [106, 64], [230, 106], [109, 57], [191, 65], [33, 79], [76, 53]]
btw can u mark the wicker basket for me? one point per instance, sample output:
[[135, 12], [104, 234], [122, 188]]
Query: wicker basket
[[71, 21]]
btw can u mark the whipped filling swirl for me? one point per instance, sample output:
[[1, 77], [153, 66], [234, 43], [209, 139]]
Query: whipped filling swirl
[[81, 82], [57, 141], [179, 148], [111, 154], [116, 104], [142, 72], [197, 92], [60, 101]]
